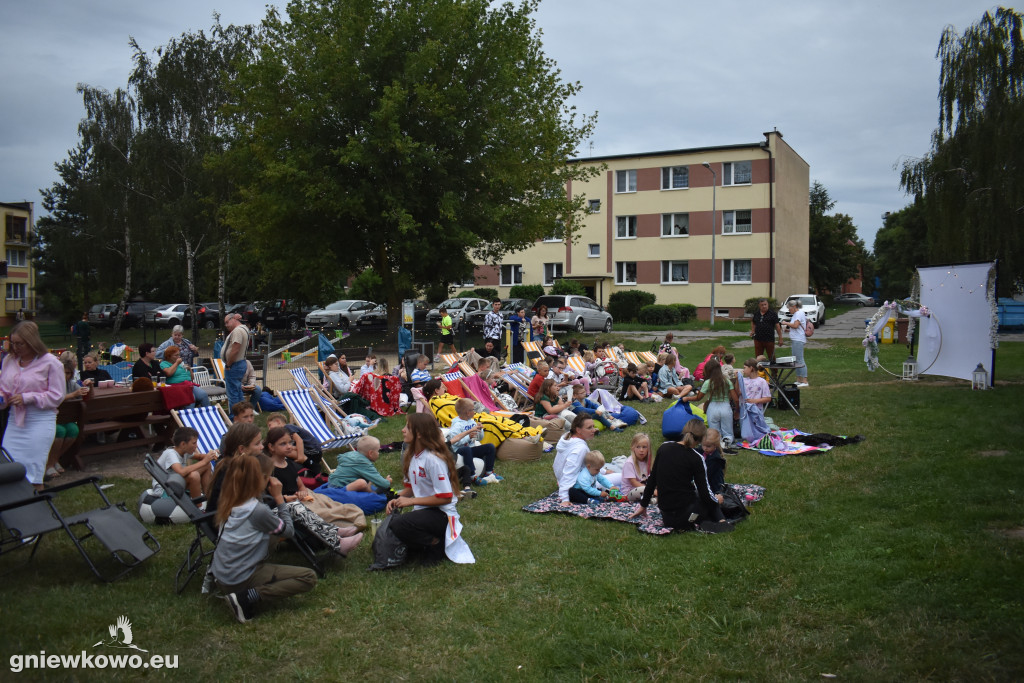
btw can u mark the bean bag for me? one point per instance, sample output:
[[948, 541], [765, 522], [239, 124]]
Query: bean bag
[[519, 450]]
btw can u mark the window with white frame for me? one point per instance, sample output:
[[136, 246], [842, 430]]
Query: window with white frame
[[736, 173], [675, 224], [675, 177], [557, 233], [593, 250], [468, 281], [736, 223], [594, 205], [675, 272], [552, 271], [736, 270], [15, 290], [625, 227], [511, 275], [625, 272], [16, 257], [625, 181]]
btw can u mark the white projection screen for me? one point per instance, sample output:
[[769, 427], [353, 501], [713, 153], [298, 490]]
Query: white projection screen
[[960, 333]]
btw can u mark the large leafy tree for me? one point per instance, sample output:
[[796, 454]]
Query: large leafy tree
[[411, 136], [972, 182], [836, 252], [901, 245]]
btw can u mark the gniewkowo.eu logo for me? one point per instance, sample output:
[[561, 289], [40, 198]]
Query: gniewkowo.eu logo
[[120, 639]]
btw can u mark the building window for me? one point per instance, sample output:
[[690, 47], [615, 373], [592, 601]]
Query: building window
[[675, 272], [625, 181], [552, 271], [736, 173], [593, 251], [16, 257], [557, 234], [736, 270], [625, 227], [625, 272], [594, 206], [736, 223], [511, 275], [468, 281], [675, 224], [675, 177], [15, 290]]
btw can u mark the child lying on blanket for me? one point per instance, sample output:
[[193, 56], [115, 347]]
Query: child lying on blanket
[[586, 490]]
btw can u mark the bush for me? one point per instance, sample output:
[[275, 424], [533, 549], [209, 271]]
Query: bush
[[625, 305], [687, 312], [531, 292], [750, 305], [436, 293], [658, 314], [488, 293], [568, 287]]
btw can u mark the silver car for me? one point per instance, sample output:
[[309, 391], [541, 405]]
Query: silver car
[[572, 312], [340, 314]]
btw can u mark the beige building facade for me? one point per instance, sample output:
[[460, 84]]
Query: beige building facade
[[16, 270], [649, 226]]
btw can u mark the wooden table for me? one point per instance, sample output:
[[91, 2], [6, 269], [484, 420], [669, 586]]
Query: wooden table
[[116, 409]]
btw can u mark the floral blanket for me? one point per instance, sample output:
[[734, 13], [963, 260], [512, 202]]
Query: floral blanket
[[780, 442], [619, 512]]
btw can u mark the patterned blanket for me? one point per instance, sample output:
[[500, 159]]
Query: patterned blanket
[[650, 523], [780, 443]]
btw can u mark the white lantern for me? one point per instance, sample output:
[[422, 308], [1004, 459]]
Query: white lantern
[[979, 378], [910, 368]]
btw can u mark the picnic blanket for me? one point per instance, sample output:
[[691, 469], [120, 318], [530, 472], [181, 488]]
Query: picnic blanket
[[369, 503], [780, 442], [651, 523]]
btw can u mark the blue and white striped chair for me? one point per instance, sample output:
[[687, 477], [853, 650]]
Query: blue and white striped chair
[[301, 405], [212, 424]]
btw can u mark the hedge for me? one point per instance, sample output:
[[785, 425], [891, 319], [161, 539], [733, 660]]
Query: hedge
[[568, 287], [531, 292], [625, 305], [659, 314], [687, 312], [750, 305]]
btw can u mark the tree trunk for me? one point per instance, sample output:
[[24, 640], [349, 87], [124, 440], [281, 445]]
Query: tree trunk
[[123, 305], [190, 265]]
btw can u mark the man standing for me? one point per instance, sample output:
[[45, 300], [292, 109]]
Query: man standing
[[81, 330], [233, 355], [492, 324], [764, 328]]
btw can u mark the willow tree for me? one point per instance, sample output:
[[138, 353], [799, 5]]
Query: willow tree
[[972, 181], [415, 137]]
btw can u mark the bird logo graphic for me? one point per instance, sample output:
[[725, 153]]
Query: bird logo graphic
[[121, 635]]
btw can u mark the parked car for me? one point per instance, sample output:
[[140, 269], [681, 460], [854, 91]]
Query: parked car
[[377, 318], [102, 315], [572, 312], [339, 315], [809, 304], [475, 320], [250, 312], [207, 314], [285, 314], [858, 299], [458, 309], [166, 316]]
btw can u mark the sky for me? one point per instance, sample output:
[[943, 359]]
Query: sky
[[852, 86]]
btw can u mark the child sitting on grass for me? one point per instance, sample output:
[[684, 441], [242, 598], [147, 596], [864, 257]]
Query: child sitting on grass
[[637, 468], [356, 471], [239, 560], [634, 387], [199, 475], [586, 490], [714, 461], [582, 404], [464, 436]]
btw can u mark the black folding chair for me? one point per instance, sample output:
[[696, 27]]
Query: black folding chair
[[198, 554], [27, 516]]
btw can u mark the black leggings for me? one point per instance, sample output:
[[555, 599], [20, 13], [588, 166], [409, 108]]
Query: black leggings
[[423, 531], [680, 519]]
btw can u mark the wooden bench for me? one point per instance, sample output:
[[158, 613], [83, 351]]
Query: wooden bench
[[124, 412]]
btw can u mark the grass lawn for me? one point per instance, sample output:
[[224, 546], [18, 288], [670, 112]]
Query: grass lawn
[[900, 558]]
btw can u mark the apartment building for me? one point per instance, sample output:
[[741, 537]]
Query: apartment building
[[666, 221], [16, 271]]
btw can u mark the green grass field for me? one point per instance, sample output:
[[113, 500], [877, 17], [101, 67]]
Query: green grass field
[[900, 558]]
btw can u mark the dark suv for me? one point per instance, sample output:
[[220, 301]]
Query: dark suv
[[286, 314], [102, 315]]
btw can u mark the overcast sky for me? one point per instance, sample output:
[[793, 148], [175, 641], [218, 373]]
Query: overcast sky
[[852, 86]]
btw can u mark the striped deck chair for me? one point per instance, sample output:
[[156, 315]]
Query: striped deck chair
[[301, 378], [450, 360], [301, 405], [577, 365], [613, 353], [533, 352], [218, 368], [520, 368], [647, 357], [212, 424], [453, 383], [521, 386], [632, 357]]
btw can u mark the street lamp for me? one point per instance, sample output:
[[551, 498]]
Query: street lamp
[[714, 227]]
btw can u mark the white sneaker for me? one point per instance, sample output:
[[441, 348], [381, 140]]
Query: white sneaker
[[802, 384], [532, 438]]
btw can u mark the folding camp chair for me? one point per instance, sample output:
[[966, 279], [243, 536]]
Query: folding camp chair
[[212, 424], [197, 554], [302, 407], [26, 516]]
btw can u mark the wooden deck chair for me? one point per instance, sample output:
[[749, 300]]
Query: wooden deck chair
[[301, 378], [577, 365], [533, 352], [631, 357], [212, 424], [218, 369], [302, 407], [466, 369], [647, 357], [521, 387], [613, 353], [453, 383], [520, 368], [450, 360]]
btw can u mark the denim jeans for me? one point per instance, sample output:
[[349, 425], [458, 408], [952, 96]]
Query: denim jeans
[[798, 351], [720, 418], [199, 394], [233, 379]]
